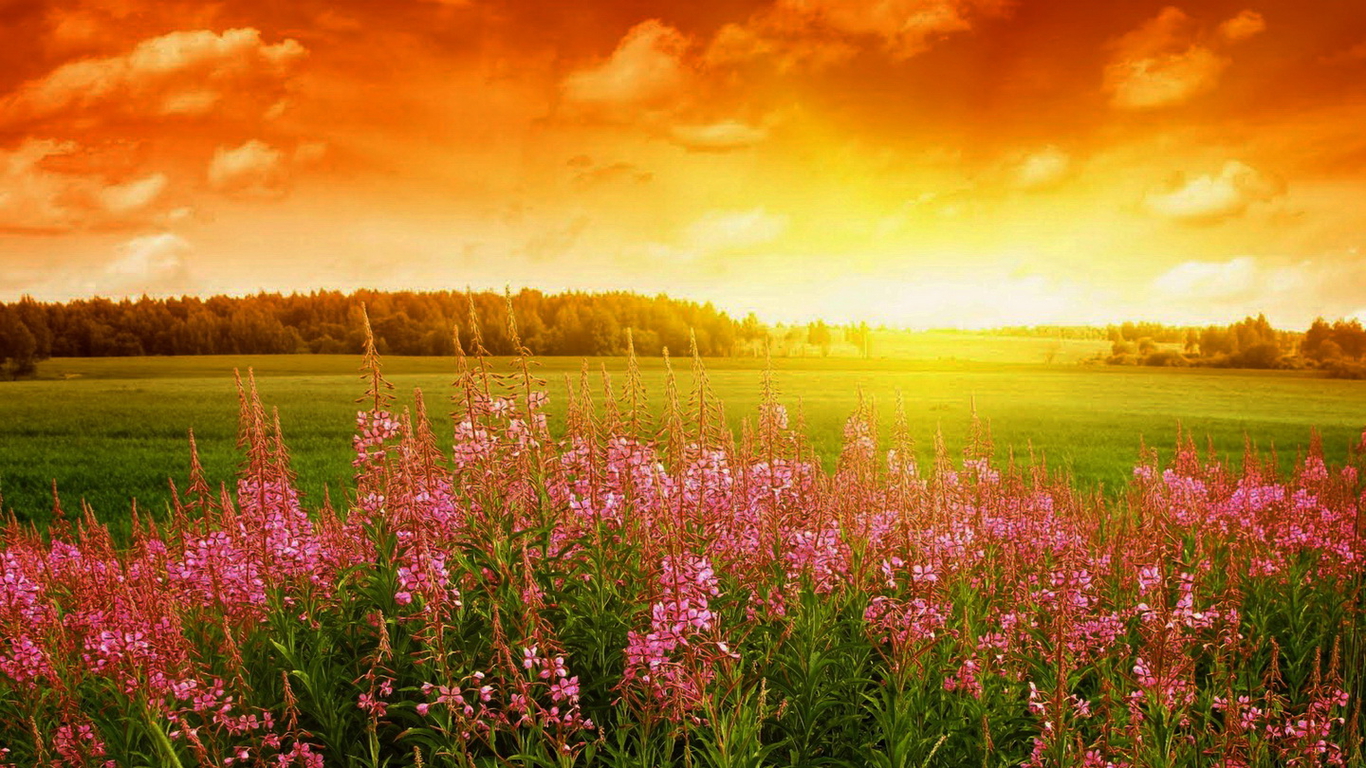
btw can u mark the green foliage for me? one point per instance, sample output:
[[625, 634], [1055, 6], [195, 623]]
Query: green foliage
[[327, 322]]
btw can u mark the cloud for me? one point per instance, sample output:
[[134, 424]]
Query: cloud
[[905, 27], [558, 241], [646, 70], [74, 27], [780, 40], [723, 136], [185, 73], [1356, 53], [133, 196], [735, 230], [1210, 280], [982, 297], [1163, 63], [1210, 199], [310, 152], [37, 198], [255, 169], [818, 33], [1165, 80], [1219, 291], [150, 257], [155, 264], [1243, 26], [1042, 170], [591, 176]]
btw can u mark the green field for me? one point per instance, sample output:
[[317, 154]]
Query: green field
[[108, 430]]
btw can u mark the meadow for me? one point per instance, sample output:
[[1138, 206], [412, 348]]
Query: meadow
[[108, 430], [641, 589]]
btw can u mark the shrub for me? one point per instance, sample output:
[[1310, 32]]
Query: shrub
[[1166, 358], [1345, 369]]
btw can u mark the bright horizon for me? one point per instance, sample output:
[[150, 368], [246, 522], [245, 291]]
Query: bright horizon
[[913, 163]]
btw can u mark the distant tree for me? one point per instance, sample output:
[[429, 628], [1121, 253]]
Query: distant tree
[[818, 334], [1351, 337], [1215, 341], [752, 333], [410, 323], [1319, 332], [1259, 355], [18, 347]]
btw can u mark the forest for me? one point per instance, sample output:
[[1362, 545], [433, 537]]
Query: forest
[[328, 322], [1337, 347]]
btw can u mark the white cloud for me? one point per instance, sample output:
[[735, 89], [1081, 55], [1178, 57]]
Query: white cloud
[[132, 196], [905, 27], [735, 230], [1243, 26], [722, 136], [310, 152], [254, 169], [1043, 170], [817, 33], [1210, 280], [1220, 291], [36, 197], [1163, 81], [1163, 63], [150, 257], [1209, 199], [985, 297], [189, 72], [645, 70]]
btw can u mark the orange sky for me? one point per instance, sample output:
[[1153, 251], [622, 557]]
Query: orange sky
[[917, 162]]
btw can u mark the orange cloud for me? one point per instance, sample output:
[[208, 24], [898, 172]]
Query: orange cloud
[[818, 33], [722, 136], [905, 27], [187, 73], [1243, 26], [1154, 66], [254, 169], [37, 198], [150, 258], [1275, 286], [1210, 199], [1042, 170], [1351, 55], [645, 71], [1162, 63], [735, 230]]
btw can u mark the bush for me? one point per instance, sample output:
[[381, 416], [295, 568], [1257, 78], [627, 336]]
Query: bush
[[1166, 358], [1262, 355], [1345, 369]]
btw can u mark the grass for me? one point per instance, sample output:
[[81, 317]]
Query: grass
[[109, 430]]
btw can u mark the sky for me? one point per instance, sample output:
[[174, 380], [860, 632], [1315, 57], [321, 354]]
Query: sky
[[921, 163]]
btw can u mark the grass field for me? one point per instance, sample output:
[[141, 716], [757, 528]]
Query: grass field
[[108, 430]]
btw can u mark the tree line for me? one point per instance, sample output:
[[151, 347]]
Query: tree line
[[329, 322], [1249, 343]]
